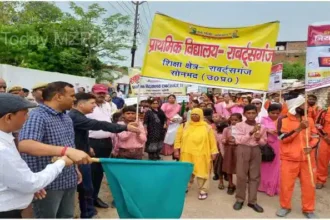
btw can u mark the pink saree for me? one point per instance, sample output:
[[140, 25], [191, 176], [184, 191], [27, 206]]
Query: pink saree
[[270, 171]]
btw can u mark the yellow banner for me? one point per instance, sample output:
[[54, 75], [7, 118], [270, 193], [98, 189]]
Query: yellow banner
[[238, 58]]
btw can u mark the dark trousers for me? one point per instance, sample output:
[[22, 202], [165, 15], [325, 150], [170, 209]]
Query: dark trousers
[[102, 149], [85, 192], [11, 214]]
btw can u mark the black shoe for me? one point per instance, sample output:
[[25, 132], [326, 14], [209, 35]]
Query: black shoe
[[256, 208], [238, 205], [100, 204], [216, 177]]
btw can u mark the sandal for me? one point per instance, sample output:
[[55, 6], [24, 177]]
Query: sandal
[[221, 186], [231, 190], [202, 196]]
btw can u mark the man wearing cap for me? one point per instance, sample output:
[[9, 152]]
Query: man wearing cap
[[37, 92], [16, 90], [3, 85], [100, 141], [49, 132], [17, 182]]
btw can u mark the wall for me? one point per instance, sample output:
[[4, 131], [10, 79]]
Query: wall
[[27, 78], [295, 51]]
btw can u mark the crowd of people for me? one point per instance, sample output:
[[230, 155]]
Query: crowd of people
[[259, 140]]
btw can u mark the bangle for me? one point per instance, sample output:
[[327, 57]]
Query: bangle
[[63, 151]]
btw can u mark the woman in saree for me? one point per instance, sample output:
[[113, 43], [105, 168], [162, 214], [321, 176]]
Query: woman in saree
[[270, 171], [171, 109], [195, 143]]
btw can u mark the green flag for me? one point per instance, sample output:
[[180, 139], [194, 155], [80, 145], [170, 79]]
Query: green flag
[[147, 189]]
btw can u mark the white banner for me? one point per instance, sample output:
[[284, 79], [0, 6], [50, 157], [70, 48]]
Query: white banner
[[275, 81]]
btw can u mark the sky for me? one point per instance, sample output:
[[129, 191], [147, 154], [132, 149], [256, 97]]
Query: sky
[[294, 17]]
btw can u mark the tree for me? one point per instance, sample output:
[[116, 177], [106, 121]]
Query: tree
[[293, 71], [39, 35]]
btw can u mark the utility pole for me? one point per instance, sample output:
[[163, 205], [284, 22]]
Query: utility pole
[[136, 25]]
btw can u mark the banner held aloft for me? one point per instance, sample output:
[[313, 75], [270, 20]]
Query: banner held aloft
[[219, 57]]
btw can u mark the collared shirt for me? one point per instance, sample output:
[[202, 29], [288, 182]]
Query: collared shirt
[[242, 135], [17, 182], [82, 125], [101, 113], [48, 126], [113, 107]]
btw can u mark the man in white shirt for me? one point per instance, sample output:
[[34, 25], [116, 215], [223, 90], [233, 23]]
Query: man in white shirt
[[17, 182], [100, 141], [113, 106], [262, 112]]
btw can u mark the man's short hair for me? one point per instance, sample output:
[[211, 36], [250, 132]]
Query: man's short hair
[[54, 88], [81, 97], [25, 90]]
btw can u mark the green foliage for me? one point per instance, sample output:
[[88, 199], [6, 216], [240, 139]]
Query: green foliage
[[39, 35], [293, 71]]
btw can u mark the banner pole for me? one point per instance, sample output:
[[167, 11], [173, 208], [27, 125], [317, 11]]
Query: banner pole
[[310, 168], [138, 100], [264, 99]]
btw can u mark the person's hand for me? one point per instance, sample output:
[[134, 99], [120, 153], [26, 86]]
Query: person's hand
[[257, 136], [224, 140], [176, 154], [41, 194], [91, 152], [133, 127], [77, 156], [303, 125], [231, 140], [79, 176], [135, 124], [214, 157], [68, 161], [307, 150], [255, 129]]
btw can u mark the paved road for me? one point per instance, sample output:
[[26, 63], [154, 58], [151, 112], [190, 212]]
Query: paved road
[[219, 204]]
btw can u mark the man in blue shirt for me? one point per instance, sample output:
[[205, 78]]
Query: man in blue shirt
[[49, 132], [117, 100]]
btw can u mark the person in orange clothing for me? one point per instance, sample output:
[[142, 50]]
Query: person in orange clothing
[[293, 155], [323, 155], [313, 109]]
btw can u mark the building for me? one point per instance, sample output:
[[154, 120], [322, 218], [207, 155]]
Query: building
[[290, 51]]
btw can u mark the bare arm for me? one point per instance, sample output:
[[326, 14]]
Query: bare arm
[[36, 148]]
